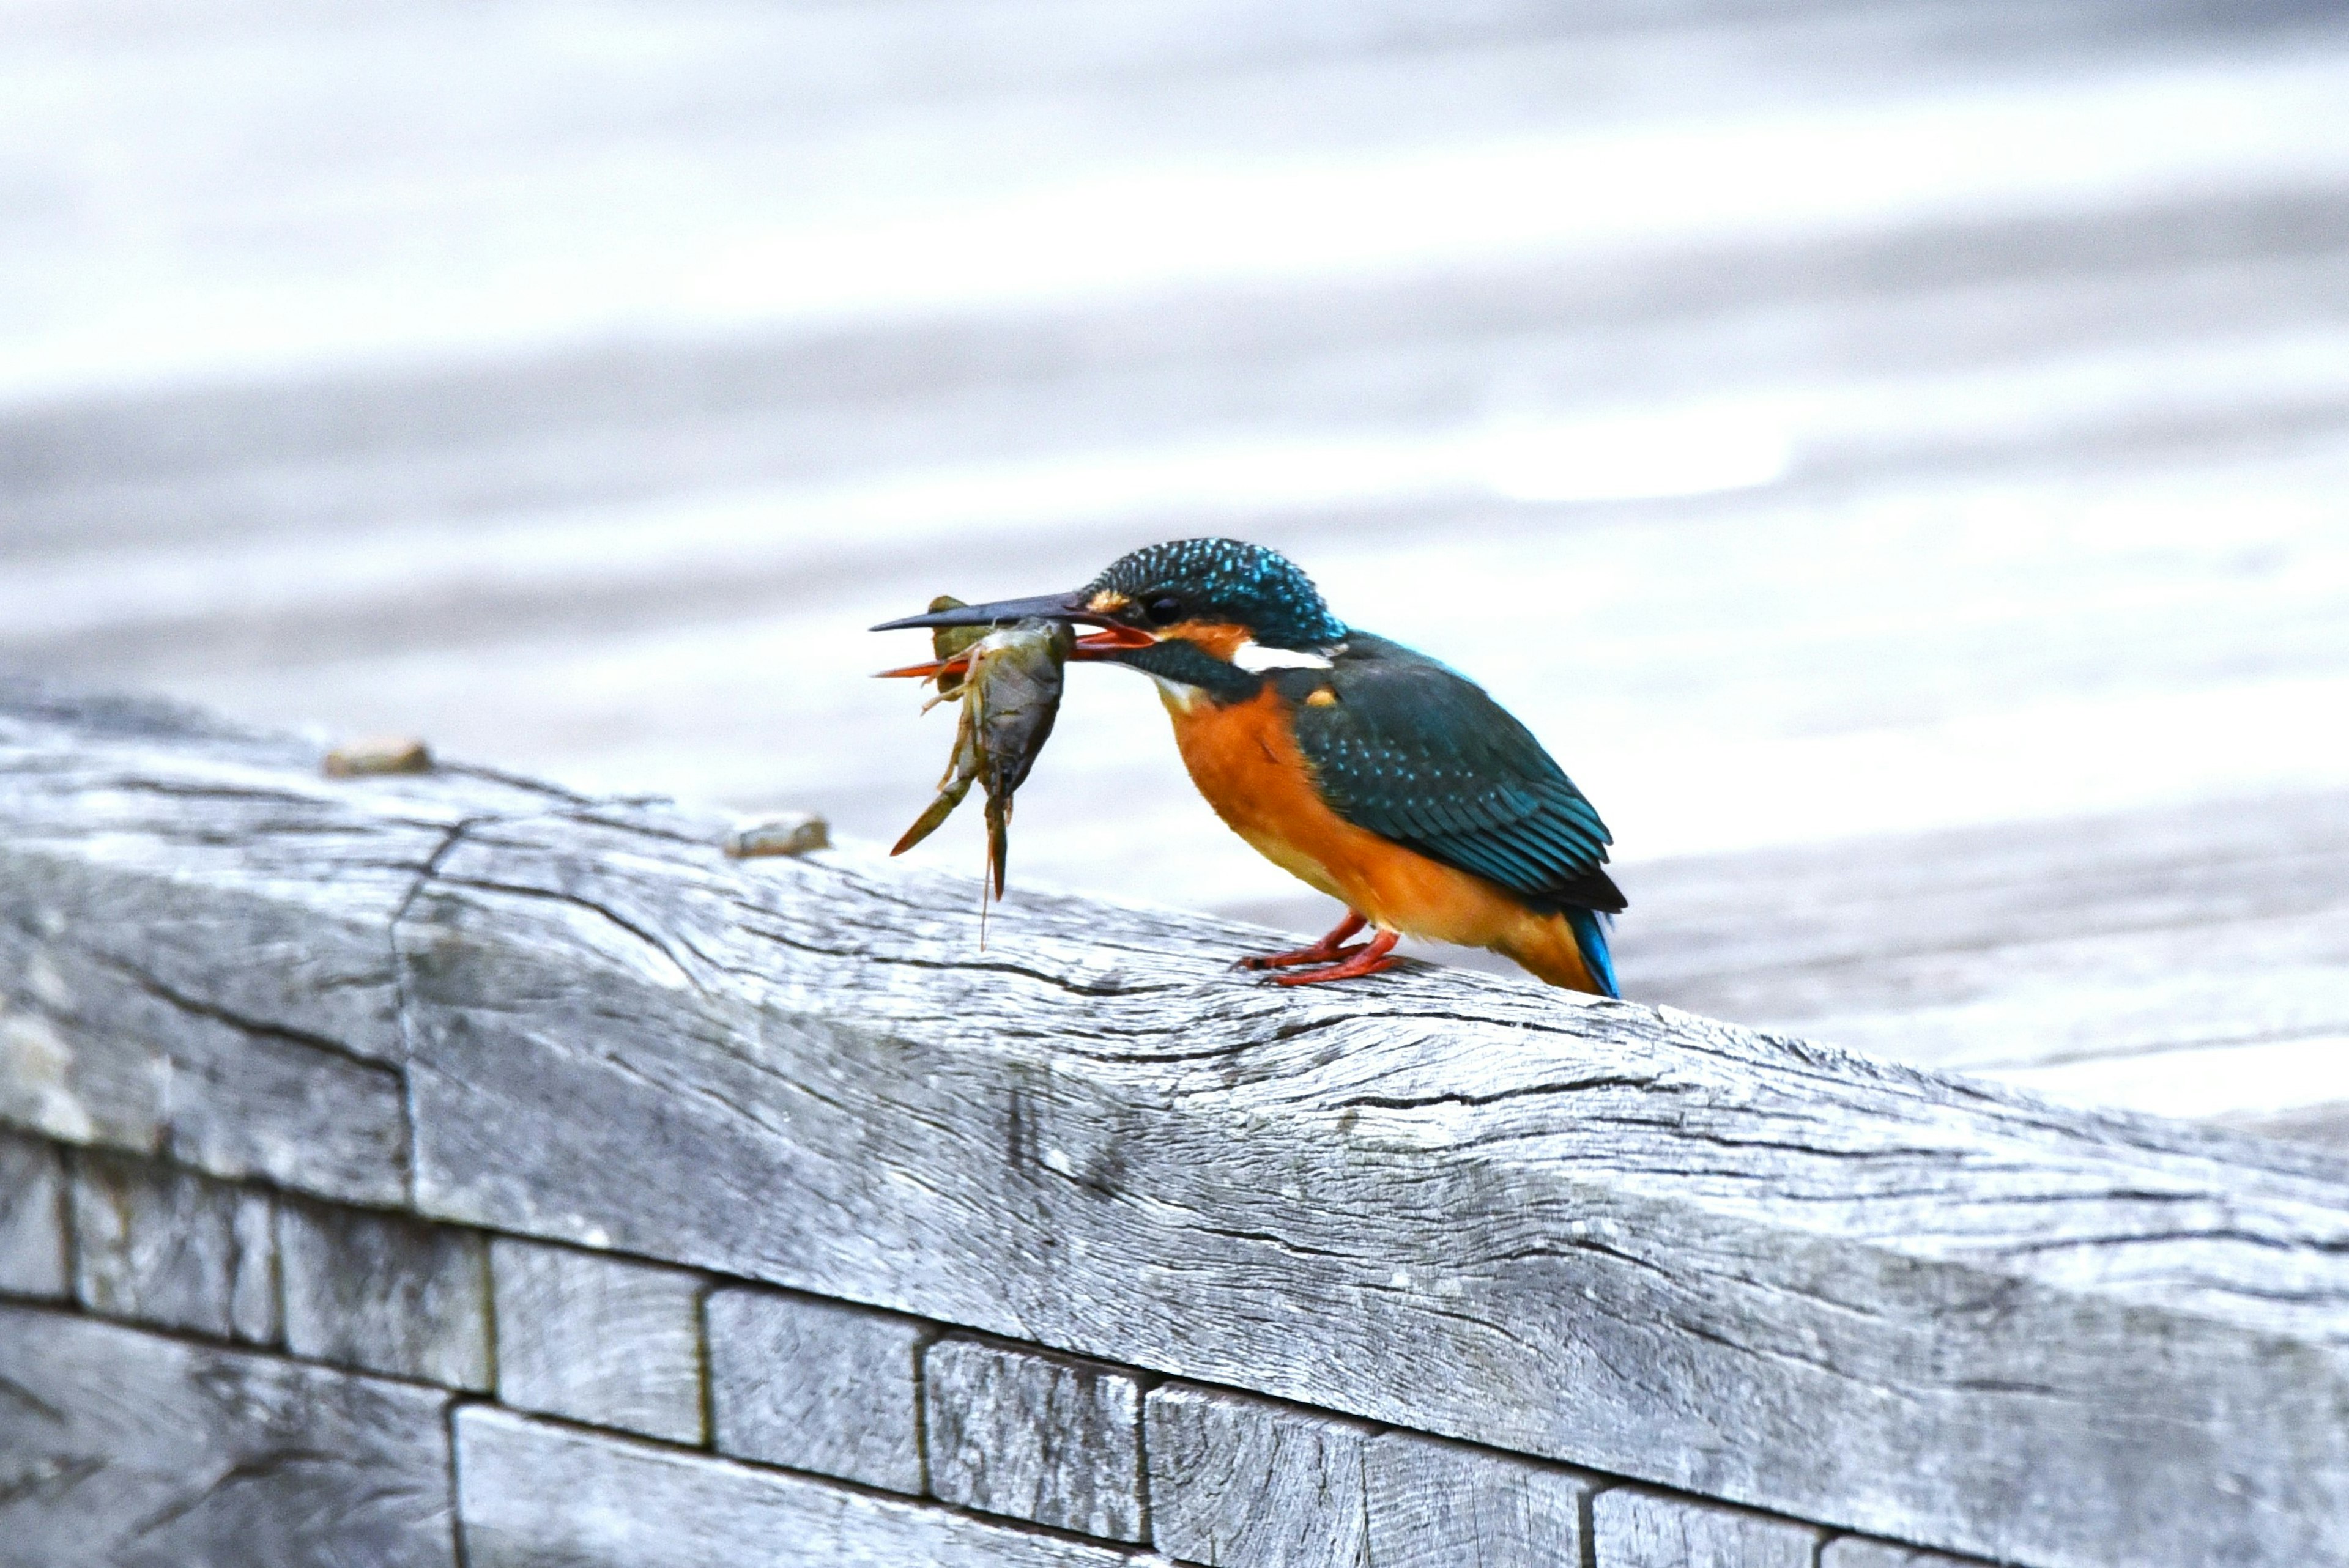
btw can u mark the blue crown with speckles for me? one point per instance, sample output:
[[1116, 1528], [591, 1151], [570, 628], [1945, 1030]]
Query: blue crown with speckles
[[1232, 581]]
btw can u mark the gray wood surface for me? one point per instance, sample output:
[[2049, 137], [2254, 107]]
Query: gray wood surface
[[127, 1025], [1855, 1551], [1237, 1482], [385, 1294], [540, 1496], [599, 1339], [167, 1247], [816, 1386], [1634, 1529], [33, 1256], [128, 1450], [1636, 1240], [799, 1024], [1434, 1504], [1041, 1438]]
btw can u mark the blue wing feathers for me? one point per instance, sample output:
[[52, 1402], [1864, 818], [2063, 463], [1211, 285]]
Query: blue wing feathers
[[1419, 754]]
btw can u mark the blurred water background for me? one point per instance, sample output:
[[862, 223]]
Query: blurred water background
[[1887, 449]]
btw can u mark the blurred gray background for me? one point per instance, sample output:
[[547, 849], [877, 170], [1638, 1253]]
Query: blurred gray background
[[1893, 452]]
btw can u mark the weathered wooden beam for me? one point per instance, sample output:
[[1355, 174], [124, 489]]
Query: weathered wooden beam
[[173, 1248], [816, 1386], [124, 1448], [1054, 1441], [1758, 1270], [195, 932], [536, 1495], [600, 1340]]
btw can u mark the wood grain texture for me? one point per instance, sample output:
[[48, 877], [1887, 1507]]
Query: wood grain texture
[[33, 1257], [122, 1020], [1040, 1438], [169, 1247], [1627, 1239], [1638, 1242], [816, 1385], [599, 1339], [1434, 1504], [121, 1448], [91, 1053], [240, 827], [385, 1294], [1858, 1552], [2042, 953], [1843, 906], [540, 1496], [1237, 1482], [1634, 1529]]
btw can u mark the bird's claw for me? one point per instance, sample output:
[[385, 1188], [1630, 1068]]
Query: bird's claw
[[1299, 958], [1351, 962], [1354, 968]]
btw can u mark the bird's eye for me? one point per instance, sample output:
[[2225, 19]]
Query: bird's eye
[[1164, 610]]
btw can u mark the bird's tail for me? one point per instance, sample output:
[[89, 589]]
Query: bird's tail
[[1590, 935], [1564, 946]]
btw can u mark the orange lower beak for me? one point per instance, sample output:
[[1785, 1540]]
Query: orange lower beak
[[926, 672], [1111, 640]]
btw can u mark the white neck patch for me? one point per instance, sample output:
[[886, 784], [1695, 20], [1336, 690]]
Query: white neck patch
[[1256, 658]]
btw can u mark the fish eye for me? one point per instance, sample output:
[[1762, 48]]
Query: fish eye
[[1163, 609]]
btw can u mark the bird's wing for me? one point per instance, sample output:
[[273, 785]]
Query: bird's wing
[[1416, 753]]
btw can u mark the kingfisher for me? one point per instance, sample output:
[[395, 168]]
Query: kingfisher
[[1374, 774]]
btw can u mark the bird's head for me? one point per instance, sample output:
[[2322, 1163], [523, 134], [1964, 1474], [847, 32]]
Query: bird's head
[[1196, 612]]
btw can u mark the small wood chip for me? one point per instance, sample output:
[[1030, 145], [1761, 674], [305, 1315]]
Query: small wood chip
[[790, 833], [378, 754]]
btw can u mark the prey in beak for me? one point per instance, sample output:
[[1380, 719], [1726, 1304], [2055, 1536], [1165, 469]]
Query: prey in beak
[[1113, 636]]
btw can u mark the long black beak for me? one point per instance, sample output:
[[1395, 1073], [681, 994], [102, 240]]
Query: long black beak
[[1003, 612]]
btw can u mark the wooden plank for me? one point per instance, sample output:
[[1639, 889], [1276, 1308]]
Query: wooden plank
[[95, 1054], [539, 1496], [816, 1386], [120, 1022], [1432, 1504], [1634, 1529], [1855, 1552], [385, 1294], [1040, 1438], [169, 1247], [1843, 906], [599, 1339], [318, 973], [1131, 1103], [1246, 1483], [2303, 1083], [130, 1450], [1093, 1136], [2102, 996], [510, 190], [32, 1256]]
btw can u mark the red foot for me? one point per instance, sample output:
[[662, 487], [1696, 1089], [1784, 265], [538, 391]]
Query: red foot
[[1367, 959], [1328, 950]]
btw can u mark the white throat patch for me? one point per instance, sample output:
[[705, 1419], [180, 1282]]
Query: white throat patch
[[1256, 658]]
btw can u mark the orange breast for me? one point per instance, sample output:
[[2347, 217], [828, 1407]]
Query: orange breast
[[1245, 760]]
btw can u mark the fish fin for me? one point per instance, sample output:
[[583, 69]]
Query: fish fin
[[927, 822]]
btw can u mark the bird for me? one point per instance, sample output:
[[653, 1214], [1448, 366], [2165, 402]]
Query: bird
[[1374, 774]]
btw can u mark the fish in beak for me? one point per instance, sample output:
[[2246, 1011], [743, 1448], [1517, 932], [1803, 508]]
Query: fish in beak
[[1112, 637]]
